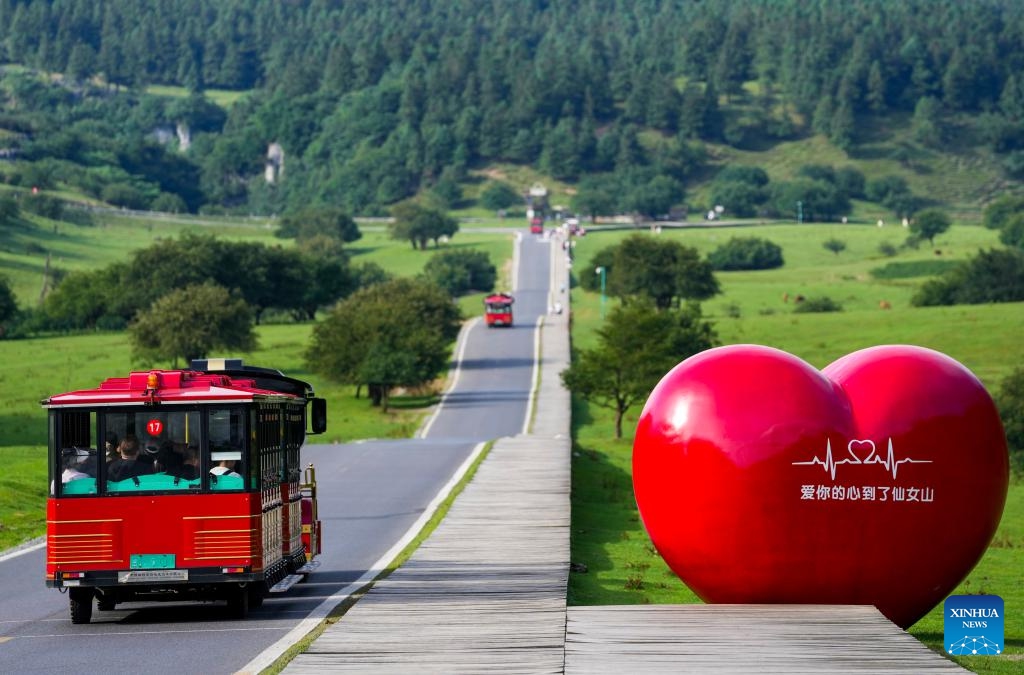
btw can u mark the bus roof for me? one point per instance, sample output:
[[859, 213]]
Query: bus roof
[[216, 380], [499, 297]]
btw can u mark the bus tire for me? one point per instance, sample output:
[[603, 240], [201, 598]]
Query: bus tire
[[80, 602], [238, 602], [257, 591], [105, 602]]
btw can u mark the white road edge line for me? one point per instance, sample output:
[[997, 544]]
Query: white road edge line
[[463, 341], [23, 549], [515, 262], [313, 619], [534, 376]]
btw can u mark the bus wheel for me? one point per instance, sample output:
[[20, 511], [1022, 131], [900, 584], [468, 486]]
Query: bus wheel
[[257, 591], [105, 602], [238, 602], [80, 600]]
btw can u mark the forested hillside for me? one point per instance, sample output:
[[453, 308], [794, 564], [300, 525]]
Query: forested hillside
[[373, 101]]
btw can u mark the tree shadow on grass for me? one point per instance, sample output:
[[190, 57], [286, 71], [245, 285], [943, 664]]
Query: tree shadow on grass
[[612, 559]]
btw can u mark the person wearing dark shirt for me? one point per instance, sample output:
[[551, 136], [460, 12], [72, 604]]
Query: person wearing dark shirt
[[190, 470], [128, 464]]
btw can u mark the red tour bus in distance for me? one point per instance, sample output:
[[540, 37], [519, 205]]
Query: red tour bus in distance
[[182, 485], [498, 309], [536, 225]]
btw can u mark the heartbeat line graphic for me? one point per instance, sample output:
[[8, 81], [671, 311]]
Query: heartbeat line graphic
[[891, 464]]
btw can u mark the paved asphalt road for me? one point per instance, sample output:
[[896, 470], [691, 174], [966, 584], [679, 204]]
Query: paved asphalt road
[[371, 494]]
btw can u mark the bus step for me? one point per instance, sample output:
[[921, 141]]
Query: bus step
[[308, 567], [286, 583]]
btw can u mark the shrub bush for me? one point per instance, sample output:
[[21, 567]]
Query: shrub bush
[[123, 194], [822, 304], [995, 275], [169, 203], [459, 272], [746, 253], [1010, 400], [43, 205], [500, 195]]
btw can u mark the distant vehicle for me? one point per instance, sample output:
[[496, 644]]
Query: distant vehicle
[[498, 309], [573, 224], [182, 485], [536, 225]]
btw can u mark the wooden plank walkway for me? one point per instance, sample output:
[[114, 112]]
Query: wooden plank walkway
[[484, 593], [742, 639]]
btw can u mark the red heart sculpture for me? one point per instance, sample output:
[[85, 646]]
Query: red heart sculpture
[[879, 480]]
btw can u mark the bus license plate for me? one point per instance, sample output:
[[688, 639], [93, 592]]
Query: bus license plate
[[149, 576]]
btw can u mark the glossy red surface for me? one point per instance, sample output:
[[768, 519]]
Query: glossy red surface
[[102, 533], [879, 480]]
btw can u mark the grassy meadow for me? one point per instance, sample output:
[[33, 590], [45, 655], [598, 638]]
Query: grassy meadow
[[607, 535], [225, 98], [39, 367]]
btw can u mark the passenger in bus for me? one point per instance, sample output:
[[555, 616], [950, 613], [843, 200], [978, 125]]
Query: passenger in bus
[[111, 446], [226, 467], [128, 465], [190, 469], [169, 461], [147, 456], [76, 465]]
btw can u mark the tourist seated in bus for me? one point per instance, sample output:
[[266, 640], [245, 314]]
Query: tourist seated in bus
[[226, 467], [128, 464], [77, 464], [169, 461], [190, 467], [111, 446]]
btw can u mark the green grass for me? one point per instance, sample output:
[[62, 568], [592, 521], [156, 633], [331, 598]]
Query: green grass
[[225, 98], [607, 535], [25, 246]]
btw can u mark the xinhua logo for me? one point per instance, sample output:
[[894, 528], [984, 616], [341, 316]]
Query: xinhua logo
[[973, 625]]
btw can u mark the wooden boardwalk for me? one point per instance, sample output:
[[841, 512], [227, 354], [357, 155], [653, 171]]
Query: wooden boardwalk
[[484, 593], [742, 639]]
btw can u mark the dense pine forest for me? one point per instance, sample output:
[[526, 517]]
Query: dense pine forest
[[368, 102]]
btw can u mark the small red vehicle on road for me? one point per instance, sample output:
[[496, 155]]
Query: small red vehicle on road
[[182, 485], [536, 225], [498, 309]]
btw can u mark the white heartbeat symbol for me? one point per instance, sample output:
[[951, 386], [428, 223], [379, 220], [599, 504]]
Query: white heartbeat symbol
[[890, 462]]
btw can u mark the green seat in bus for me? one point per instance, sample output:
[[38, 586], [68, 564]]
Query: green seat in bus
[[226, 482], [152, 481], [79, 486]]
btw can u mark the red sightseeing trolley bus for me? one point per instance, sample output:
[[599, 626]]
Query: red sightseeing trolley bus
[[182, 484], [498, 309]]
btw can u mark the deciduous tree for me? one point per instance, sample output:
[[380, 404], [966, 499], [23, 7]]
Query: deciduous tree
[[392, 333], [191, 323], [420, 224], [929, 224], [637, 345], [662, 270], [8, 304], [459, 272]]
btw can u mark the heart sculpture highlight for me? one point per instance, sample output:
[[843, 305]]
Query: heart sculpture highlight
[[879, 480]]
